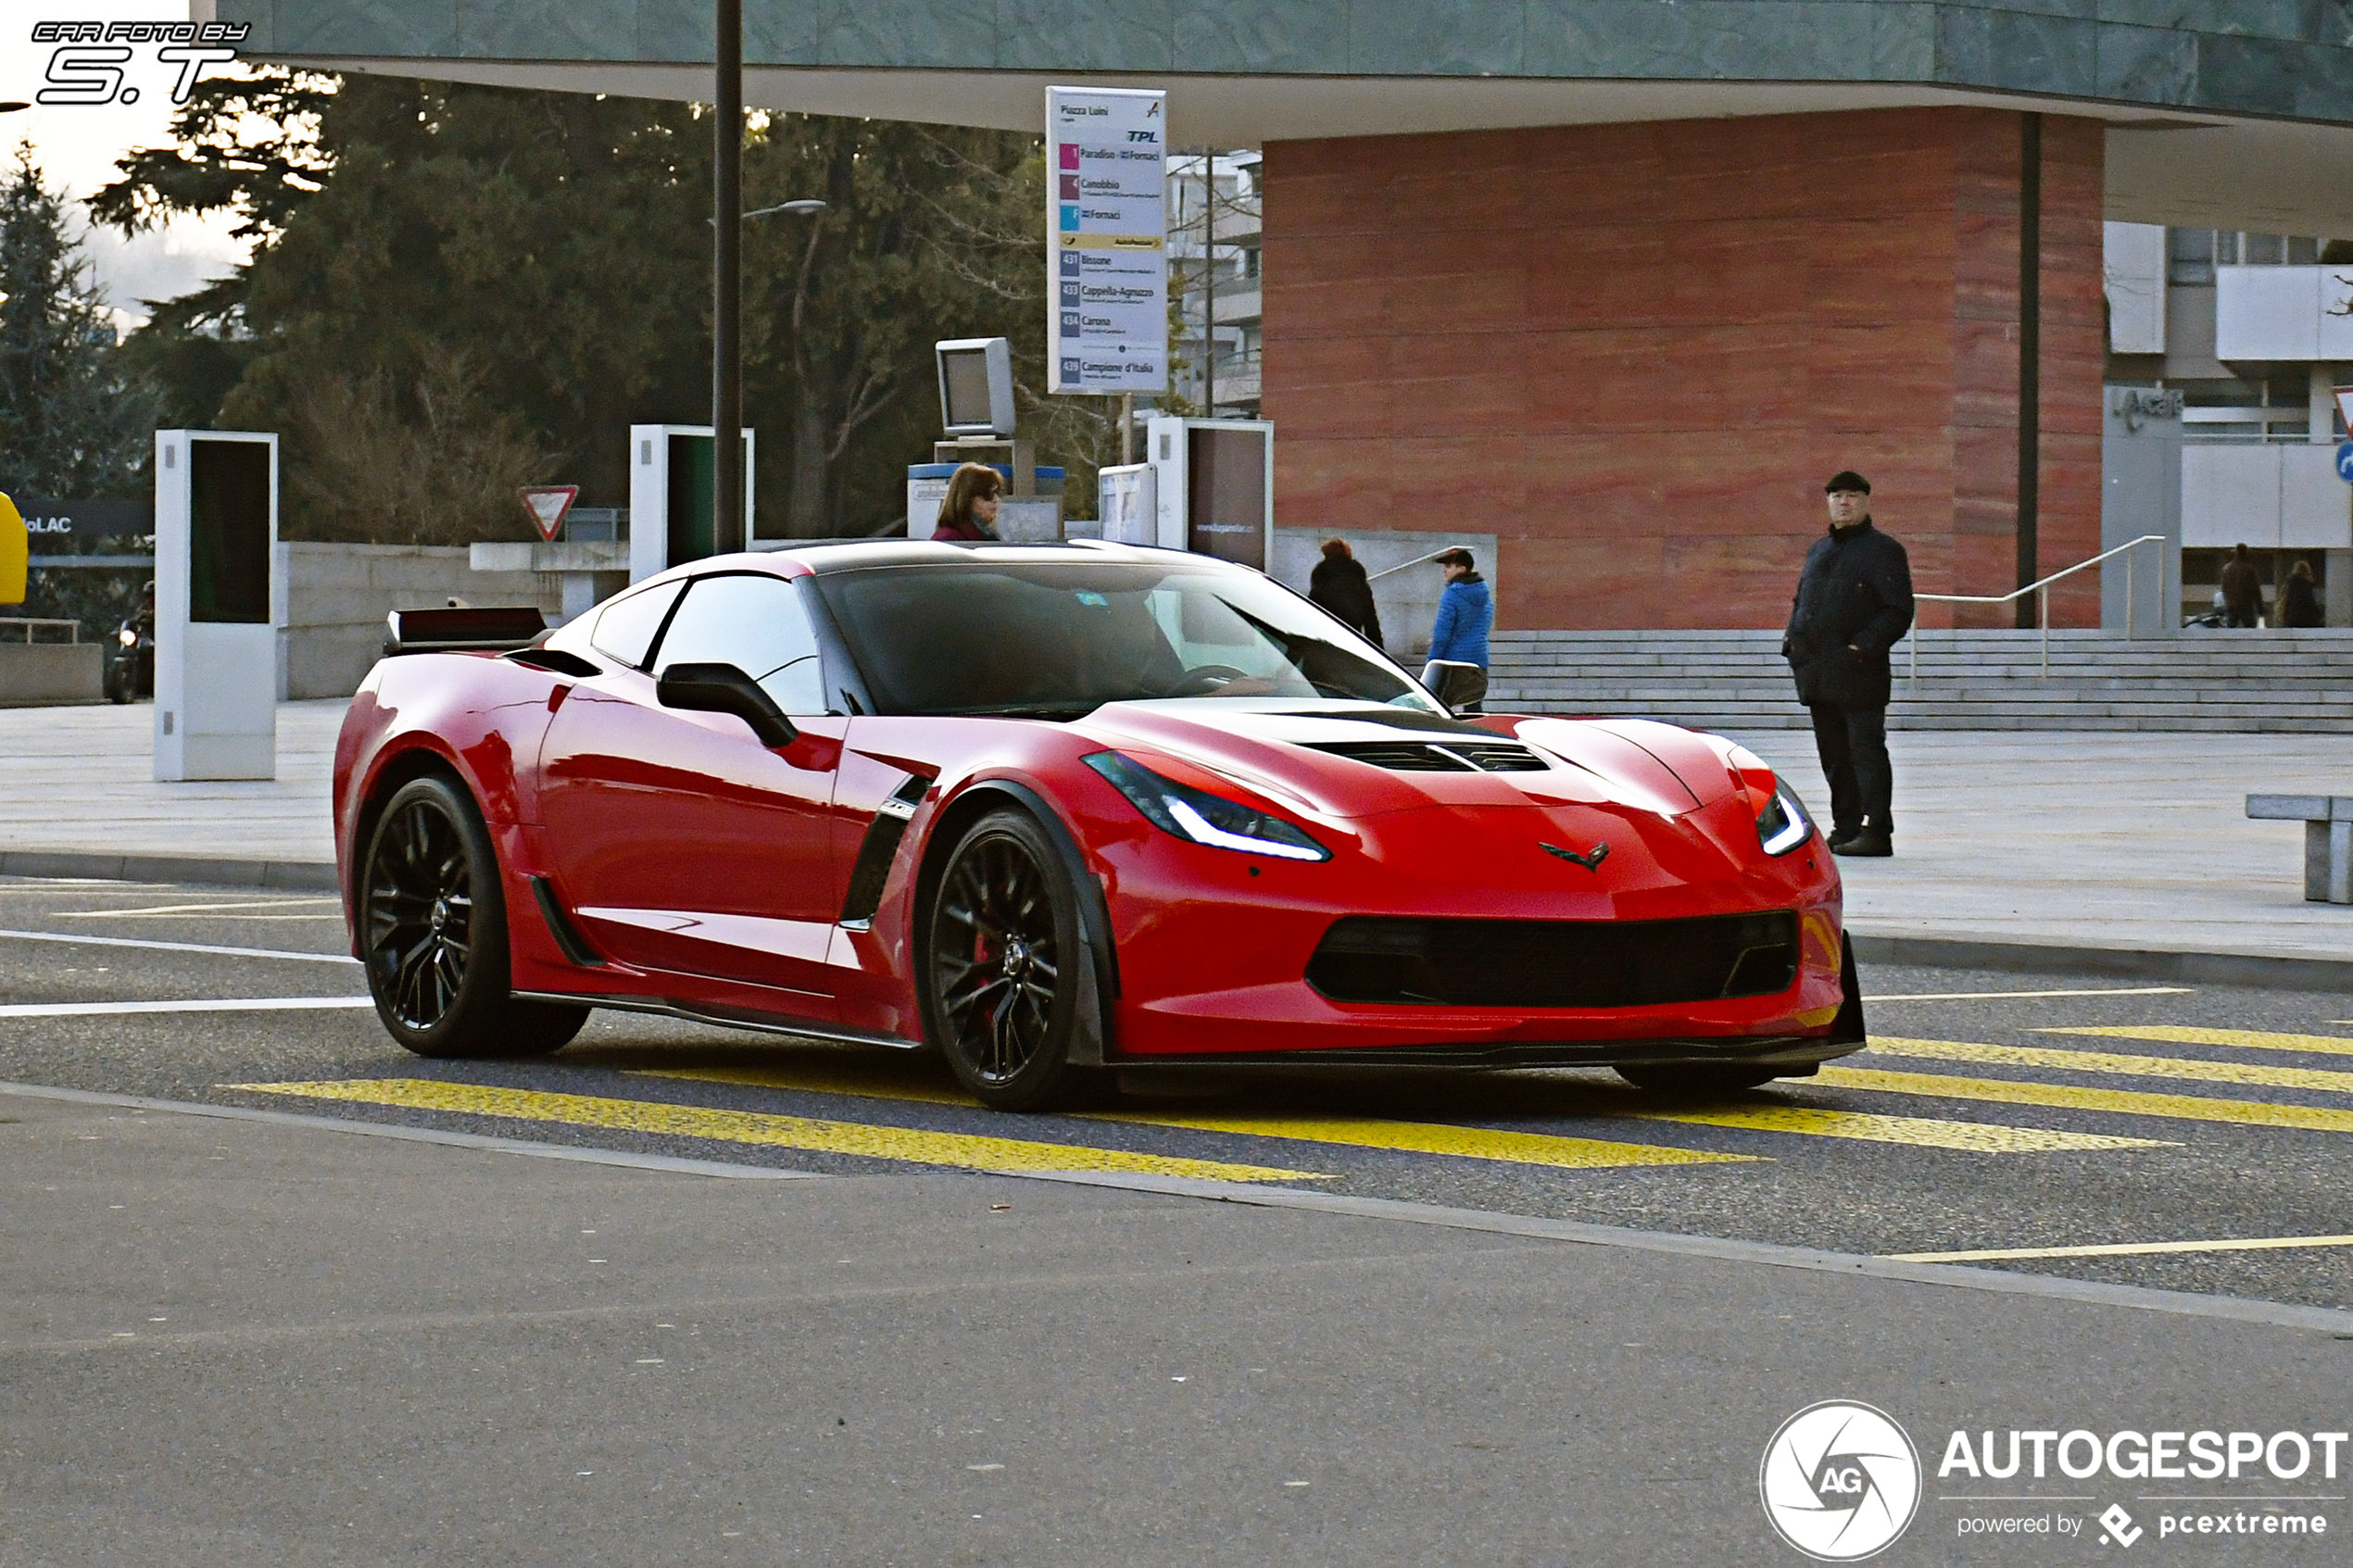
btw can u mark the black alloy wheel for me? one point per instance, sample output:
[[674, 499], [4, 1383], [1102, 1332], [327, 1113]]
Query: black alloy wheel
[[432, 929], [1004, 957], [1695, 1078]]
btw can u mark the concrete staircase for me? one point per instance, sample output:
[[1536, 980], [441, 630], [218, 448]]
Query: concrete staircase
[[2247, 681]]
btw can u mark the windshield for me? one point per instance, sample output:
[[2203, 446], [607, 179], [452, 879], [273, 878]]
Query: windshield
[[1056, 638]]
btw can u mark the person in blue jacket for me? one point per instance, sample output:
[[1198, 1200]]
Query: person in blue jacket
[[1465, 611]]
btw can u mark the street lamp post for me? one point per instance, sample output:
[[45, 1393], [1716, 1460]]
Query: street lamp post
[[726, 282]]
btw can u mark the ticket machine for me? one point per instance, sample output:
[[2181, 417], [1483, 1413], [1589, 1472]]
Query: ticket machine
[[672, 485], [215, 568]]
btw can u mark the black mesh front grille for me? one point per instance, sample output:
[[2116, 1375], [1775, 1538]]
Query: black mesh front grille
[[1543, 963], [1441, 756]]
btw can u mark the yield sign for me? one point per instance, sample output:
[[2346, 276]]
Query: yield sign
[[547, 504], [2345, 407]]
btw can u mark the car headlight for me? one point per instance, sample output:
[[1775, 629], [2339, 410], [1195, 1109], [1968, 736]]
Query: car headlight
[[1782, 822], [127, 637], [1784, 825], [1200, 817]]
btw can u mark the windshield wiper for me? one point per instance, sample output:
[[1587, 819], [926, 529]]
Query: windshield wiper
[[1064, 710]]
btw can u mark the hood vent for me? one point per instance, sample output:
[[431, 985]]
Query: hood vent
[[1440, 756]]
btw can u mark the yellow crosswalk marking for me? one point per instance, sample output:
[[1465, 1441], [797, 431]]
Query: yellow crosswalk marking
[[1485, 1144], [2069, 1060], [2121, 1250], [1417, 1137], [2253, 1039], [1923, 1132], [1440, 1138], [753, 1128], [2128, 1102]]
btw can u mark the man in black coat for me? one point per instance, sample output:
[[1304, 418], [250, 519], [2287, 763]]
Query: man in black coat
[[1854, 601], [1338, 584]]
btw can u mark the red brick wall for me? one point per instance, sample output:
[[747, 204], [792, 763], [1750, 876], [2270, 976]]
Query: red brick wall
[[1636, 351]]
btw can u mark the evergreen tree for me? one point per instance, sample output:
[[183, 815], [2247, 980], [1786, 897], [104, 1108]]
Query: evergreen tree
[[72, 422]]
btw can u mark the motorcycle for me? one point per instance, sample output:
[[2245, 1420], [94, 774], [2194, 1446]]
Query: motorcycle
[[130, 674]]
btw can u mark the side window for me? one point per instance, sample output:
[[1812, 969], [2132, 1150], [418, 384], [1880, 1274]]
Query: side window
[[755, 622], [626, 628]]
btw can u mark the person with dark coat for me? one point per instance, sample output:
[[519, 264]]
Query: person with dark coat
[[2242, 590], [1338, 584], [2300, 598], [968, 512], [1853, 601]]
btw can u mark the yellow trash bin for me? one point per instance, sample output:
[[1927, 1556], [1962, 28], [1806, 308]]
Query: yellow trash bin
[[15, 544]]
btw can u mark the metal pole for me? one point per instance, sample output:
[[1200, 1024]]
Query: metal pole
[[2030, 348], [2130, 595], [2042, 600], [726, 280], [1915, 656], [1126, 428], [1209, 283]]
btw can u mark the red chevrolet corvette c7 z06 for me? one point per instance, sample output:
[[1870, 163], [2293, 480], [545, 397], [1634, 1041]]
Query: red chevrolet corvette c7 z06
[[1054, 810]]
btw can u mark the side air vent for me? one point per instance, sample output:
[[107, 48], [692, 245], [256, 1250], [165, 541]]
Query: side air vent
[[880, 848], [1440, 756]]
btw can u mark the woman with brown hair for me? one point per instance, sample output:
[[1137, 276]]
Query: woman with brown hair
[[968, 514], [1340, 585]]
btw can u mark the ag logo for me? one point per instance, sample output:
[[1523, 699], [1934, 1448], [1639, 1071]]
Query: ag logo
[[1841, 1481]]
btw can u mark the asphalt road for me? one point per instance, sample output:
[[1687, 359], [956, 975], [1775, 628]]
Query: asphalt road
[[242, 1340]]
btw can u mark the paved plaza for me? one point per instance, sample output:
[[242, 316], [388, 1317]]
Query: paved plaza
[[2135, 842]]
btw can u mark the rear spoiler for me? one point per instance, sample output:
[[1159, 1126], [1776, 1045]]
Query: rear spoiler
[[491, 628]]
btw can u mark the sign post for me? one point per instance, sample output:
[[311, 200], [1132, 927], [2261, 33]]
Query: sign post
[[1107, 262]]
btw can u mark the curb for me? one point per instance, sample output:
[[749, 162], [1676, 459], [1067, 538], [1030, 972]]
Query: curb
[[2144, 963], [1926, 952], [305, 876]]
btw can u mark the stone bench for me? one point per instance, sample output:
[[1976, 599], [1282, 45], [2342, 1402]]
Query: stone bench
[[2328, 839]]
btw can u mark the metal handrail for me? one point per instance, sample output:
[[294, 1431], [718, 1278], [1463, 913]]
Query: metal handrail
[[2042, 592], [73, 628]]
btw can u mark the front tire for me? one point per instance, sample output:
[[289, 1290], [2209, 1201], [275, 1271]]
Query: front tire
[[1695, 1078], [1001, 990], [433, 925]]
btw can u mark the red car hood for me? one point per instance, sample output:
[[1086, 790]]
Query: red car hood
[[1278, 749]]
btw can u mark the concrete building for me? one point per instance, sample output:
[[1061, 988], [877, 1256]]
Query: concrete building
[[1213, 271], [1618, 281], [2250, 333]]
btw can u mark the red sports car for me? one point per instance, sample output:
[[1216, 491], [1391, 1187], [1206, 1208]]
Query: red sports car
[[1054, 810]]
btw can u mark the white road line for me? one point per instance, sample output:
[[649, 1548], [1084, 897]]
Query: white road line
[[2002, 996], [2124, 1250], [187, 909], [234, 1004], [2012, 996], [176, 946]]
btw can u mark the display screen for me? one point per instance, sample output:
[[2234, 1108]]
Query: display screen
[[693, 497], [964, 379], [1226, 480], [229, 531]]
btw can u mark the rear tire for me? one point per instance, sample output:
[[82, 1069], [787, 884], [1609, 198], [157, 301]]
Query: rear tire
[[1000, 985], [1695, 1078], [433, 934]]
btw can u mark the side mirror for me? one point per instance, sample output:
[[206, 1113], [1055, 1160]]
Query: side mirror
[[1455, 684], [723, 688]]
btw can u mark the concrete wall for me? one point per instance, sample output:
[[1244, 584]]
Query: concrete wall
[[41, 674], [1636, 351], [337, 596]]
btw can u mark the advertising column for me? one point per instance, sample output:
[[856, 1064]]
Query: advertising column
[[1107, 327]]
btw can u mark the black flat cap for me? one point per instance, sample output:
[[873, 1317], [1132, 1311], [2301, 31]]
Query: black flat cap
[[1847, 479]]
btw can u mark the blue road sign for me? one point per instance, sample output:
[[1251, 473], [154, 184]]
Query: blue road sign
[[2345, 461]]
